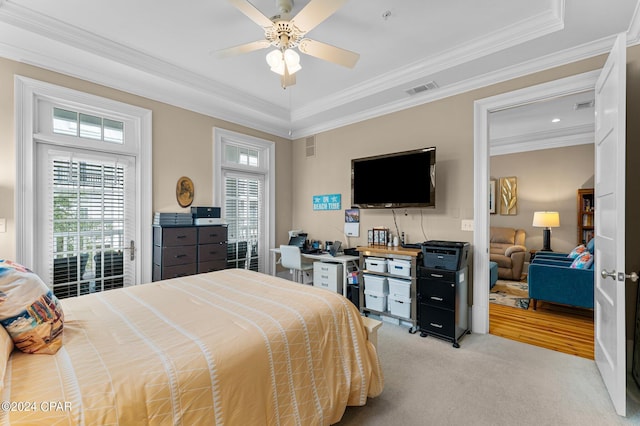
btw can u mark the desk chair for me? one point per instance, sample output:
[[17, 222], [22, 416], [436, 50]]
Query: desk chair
[[291, 258]]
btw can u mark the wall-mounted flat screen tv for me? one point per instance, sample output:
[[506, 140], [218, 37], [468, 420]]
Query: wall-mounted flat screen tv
[[402, 179]]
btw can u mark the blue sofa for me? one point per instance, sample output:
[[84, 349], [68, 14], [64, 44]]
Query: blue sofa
[[553, 280]]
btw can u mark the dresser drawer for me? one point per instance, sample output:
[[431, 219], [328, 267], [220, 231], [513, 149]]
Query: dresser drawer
[[178, 255], [436, 320], [208, 252], [212, 234], [212, 265], [176, 236], [437, 293], [437, 274], [178, 271], [327, 276]]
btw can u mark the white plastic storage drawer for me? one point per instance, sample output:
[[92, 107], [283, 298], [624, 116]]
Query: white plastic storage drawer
[[400, 306], [375, 264], [376, 284], [398, 287], [375, 301], [399, 267], [327, 276]]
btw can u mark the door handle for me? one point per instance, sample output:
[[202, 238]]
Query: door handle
[[604, 274], [621, 275], [632, 276]]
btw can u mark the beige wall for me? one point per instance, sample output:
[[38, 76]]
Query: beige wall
[[546, 181], [182, 146], [446, 124]]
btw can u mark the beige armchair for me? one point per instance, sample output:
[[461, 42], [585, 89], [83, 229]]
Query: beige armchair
[[506, 248]]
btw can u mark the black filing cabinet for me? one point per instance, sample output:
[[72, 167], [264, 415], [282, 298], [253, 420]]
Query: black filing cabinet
[[443, 310]]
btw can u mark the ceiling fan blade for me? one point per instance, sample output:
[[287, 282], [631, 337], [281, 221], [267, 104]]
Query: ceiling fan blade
[[330, 53], [252, 13], [315, 12], [243, 48]]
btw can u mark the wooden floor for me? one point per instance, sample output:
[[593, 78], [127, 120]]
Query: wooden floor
[[559, 328]]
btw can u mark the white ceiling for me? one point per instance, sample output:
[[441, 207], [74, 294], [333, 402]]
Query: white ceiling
[[164, 50], [551, 123]]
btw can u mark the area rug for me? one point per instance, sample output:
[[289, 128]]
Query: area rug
[[510, 293]]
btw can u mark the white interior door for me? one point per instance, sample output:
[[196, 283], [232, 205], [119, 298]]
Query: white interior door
[[610, 224]]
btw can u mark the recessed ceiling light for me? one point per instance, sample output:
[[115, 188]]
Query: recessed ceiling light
[[555, 120]]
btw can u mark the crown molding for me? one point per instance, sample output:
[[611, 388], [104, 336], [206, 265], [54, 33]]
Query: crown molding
[[633, 33], [525, 30], [236, 102], [568, 136], [567, 56], [203, 95], [535, 145]]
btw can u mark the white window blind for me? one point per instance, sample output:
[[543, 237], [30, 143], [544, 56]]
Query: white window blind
[[243, 202], [88, 219]]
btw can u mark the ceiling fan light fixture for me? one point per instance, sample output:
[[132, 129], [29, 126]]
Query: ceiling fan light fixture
[[276, 60]]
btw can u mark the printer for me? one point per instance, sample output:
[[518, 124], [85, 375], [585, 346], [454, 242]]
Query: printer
[[447, 255]]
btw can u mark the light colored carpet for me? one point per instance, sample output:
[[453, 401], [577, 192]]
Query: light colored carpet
[[510, 293], [487, 381]]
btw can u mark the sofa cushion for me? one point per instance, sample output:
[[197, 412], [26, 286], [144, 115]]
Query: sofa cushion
[[578, 251], [502, 235], [502, 261], [584, 261]]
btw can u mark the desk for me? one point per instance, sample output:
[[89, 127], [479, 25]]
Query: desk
[[322, 257]]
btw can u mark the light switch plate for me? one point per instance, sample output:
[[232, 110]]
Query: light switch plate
[[3, 225], [467, 225]]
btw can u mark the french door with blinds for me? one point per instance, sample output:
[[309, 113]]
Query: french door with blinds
[[87, 222], [243, 207]]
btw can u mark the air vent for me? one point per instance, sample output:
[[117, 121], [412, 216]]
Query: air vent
[[584, 105], [422, 88], [310, 147]]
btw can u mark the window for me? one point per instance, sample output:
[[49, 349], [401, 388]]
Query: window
[[87, 200], [84, 163], [244, 189], [243, 211], [73, 123]]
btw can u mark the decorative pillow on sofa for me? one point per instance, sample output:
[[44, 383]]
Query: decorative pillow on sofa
[[578, 251], [29, 311], [584, 261]]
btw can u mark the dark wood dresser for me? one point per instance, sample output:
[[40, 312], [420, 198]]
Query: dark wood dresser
[[187, 250]]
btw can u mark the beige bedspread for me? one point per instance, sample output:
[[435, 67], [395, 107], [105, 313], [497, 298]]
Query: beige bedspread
[[230, 347]]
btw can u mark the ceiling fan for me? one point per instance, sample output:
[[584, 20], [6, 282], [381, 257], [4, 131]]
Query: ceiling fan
[[286, 33]]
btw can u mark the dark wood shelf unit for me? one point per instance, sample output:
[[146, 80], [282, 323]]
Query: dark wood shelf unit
[[586, 215]]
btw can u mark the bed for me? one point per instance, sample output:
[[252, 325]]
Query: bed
[[227, 347]]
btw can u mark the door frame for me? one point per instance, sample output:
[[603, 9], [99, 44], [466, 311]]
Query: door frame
[[482, 108], [27, 92], [268, 149]]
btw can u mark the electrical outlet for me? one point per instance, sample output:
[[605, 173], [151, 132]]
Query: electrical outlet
[[467, 225], [3, 225]]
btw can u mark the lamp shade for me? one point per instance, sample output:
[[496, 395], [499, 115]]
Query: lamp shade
[[546, 219]]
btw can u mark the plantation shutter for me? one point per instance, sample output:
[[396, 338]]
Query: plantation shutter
[[243, 201], [91, 220]]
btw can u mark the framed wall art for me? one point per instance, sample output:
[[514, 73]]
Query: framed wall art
[[492, 196], [509, 196], [184, 191]]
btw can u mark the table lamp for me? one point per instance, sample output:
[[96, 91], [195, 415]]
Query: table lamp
[[546, 220]]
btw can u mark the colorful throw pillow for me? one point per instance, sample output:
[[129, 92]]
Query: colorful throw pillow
[[29, 311], [576, 252], [583, 262]]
